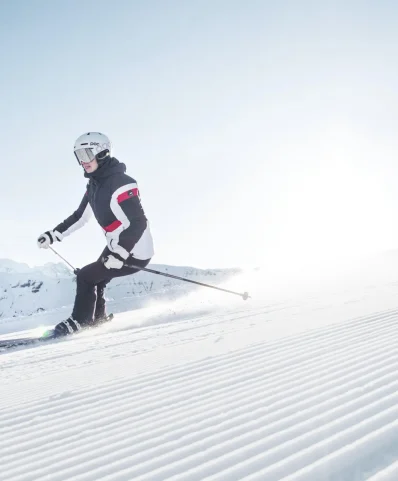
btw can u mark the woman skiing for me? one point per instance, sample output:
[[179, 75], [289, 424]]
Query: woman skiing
[[114, 199]]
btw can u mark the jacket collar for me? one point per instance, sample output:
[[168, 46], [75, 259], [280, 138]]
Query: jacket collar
[[109, 167]]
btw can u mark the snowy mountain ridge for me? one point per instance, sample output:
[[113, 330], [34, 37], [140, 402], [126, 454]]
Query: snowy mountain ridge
[[27, 290]]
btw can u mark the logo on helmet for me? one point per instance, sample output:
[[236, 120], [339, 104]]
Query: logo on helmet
[[94, 143]]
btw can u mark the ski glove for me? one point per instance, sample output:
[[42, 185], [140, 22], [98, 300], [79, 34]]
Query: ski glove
[[112, 262], [49, 237]]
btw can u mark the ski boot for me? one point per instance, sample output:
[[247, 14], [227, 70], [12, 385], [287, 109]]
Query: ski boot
[[65, 328], [98, 320]]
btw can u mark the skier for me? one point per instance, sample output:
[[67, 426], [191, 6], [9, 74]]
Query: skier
[[114, 199]]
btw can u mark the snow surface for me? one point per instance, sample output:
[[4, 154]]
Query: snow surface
[[298, 383]]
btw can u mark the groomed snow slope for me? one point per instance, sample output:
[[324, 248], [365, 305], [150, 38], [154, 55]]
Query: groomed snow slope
[[300, 390]]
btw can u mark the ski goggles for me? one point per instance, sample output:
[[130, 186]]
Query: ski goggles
[[84, 156]]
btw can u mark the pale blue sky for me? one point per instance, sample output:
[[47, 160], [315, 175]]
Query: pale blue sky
[[254, 128]]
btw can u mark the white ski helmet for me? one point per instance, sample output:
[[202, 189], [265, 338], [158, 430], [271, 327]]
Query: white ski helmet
[[92, 145]]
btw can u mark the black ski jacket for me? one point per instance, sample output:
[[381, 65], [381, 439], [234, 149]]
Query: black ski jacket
[[114, 199]]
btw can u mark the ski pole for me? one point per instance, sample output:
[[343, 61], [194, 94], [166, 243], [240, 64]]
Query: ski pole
[[75, 271], [244, 295]]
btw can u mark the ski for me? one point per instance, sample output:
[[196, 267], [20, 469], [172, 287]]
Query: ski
[[47, 336], [25, 341]]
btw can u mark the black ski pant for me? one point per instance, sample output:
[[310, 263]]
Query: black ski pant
[[91, 281]]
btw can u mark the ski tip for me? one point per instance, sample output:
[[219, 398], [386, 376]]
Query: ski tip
[[47, 334]]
